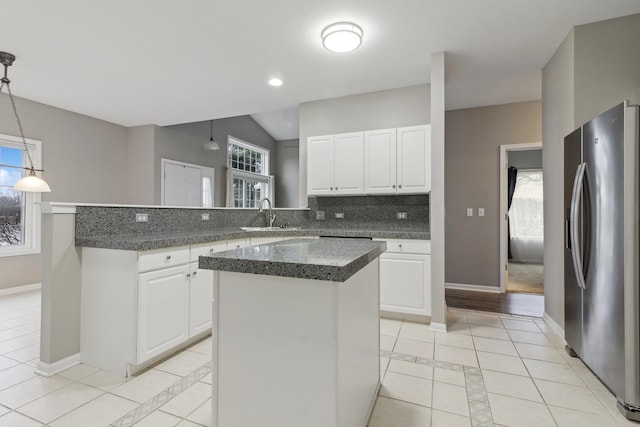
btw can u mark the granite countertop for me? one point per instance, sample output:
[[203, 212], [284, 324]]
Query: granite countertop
[[141, 242], [316, 259]]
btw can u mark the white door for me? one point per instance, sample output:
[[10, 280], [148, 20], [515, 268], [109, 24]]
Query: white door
[[404, 283], [200, 295], [320, 165], [163, 310], [348, 157], [182, 185], [414, 159], [380, 161]]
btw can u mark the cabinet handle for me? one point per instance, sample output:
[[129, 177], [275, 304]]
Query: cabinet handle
[[399, 186], [194, 273], [393, 186], [336, 188], [237, 246], [400, 245], [188, 275], [211, 250], [168, 257], [331, 188]]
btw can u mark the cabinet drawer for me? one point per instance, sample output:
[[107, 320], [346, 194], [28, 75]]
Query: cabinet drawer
[[162, 258], [206, 249], [407, 246]]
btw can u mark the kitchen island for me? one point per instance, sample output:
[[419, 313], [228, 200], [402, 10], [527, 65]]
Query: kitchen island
[[296, 333]]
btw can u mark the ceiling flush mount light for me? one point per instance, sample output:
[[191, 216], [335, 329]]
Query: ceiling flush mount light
[[342, 37], [211, 144], [30, 182], [276, 82]]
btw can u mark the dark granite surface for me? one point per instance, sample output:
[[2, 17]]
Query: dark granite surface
[[317, 259], [141, 242]]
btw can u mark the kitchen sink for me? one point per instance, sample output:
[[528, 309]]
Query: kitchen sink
[[269, 228]]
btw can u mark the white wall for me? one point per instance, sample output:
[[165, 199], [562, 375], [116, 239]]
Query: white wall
[[392, 108]]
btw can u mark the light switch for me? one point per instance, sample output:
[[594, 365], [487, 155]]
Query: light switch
[[469, 211], [480, 211]]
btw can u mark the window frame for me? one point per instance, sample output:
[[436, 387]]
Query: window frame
[[32, 220], [234, 173]]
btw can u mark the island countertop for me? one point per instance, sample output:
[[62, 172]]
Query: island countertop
[[332, 259]]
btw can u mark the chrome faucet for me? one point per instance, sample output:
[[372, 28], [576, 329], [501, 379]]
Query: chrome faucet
[[270, 218]]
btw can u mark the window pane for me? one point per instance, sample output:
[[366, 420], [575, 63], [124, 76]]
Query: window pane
[[12, 217]]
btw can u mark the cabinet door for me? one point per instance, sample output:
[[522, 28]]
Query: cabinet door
[[404, 283], [163, 310], [200, 296], [380, 161], [348, 158], [414, 159], [320, 165]]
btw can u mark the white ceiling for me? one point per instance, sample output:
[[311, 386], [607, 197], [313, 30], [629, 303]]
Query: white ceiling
[[167, 62]]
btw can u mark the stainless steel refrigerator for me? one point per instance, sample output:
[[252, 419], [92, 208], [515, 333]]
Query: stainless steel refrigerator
[[601, 193]]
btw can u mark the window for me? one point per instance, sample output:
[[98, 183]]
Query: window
[[525, 214], [248, 180], [19, 215]]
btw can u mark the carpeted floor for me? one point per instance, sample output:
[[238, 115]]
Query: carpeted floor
[[526, 278]]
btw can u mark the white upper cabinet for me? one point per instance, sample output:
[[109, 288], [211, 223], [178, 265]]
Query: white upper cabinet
[[335, 164], [414, 159], [380, 161]]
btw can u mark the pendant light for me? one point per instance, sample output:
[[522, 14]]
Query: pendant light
[[31, 182], [211, 144]]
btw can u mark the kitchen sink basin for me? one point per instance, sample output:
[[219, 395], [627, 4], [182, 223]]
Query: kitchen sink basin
[[269, 228]]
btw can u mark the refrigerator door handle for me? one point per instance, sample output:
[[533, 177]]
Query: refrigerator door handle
[[574, 231]]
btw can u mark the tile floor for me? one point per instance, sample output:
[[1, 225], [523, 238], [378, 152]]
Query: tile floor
[[489, 370]]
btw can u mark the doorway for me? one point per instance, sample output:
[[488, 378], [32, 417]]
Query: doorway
[[522, 225]]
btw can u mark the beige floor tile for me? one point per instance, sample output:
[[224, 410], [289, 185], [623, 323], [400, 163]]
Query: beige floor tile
[[461, 356], [520, 325], [460, 328], [105, 408], [78, 372], [207, 379], [4, 410], [6, 362], [454, 315], [572, 418], [158, 419], [6, 334], [14, 419], [61, 401], [484, 320], [445, 419], [510, 385], [454, 340], [390, 412], [414, 348], [410, 368], [187, 423], [145, 386], [539, 352], [202, 415], [502, 363], [556, 341], [407, 388], [19, 342], [589, 378], [14, 375], [390, 327], [558, 372], [489, 332], [204, 347], [416, 331], [448, 376], [384, 363], [450, 398], [492, 345], [387, 342], [189, 400], [529, 337], [103, 380], [25, 354], [509, 411], [570, 396], [30, 390], [183, 363]]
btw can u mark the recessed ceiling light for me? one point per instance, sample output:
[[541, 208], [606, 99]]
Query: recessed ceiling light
[[275, 82], [342, 37]]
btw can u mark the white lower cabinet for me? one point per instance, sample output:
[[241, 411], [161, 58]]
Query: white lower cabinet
[[405, 279], [201, 290]]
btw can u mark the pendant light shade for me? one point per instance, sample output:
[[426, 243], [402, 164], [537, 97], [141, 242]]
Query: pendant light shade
[[211, 144], [31, 182]]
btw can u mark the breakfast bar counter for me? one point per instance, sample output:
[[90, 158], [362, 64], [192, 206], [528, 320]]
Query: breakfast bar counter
[[296, 333]]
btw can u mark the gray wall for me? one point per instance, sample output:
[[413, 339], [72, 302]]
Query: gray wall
[[392, 108], [84, 159], [472, 176], [287, 174], [140, 165], [525, 159], [596, 67]]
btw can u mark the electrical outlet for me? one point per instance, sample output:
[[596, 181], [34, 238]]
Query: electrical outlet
[[142, 217], [340, 215], [204, 216], [401, 215], [480, 211], [469, 211], [320, 215]]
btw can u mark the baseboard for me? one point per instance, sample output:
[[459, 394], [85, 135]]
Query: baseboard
[[20, 289], [553, 325], [438, 327], [418, 318], [50, 369], [476, 288]]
